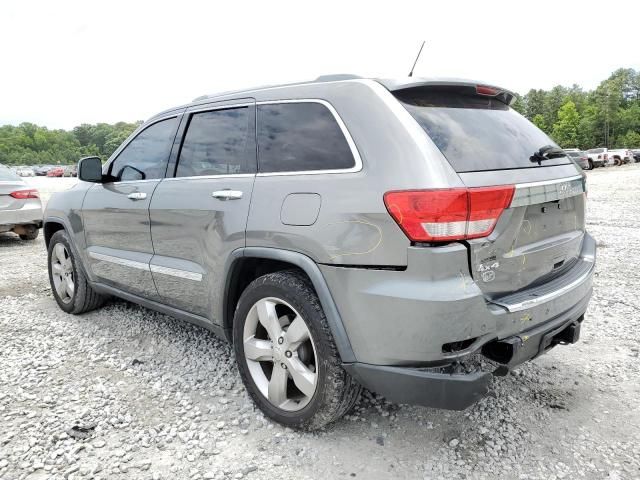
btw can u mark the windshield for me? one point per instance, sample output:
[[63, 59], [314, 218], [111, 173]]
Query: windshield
[[477, 133]]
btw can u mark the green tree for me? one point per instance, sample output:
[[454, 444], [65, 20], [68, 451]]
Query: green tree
[[538, 121], [565, 130]]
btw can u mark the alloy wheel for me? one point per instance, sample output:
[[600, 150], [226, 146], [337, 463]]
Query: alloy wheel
[[280, 354], [62, 273]]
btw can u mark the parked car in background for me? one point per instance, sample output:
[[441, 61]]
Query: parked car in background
[[70, 171], [466, 237], [56, 172], [636, 155], [25, 172], [620, 156], [20, 207], [580, 158], [598, 156], [42, 170]]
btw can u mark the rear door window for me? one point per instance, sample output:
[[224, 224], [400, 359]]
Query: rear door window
[[299, 137], [218, 142], [476, 133]]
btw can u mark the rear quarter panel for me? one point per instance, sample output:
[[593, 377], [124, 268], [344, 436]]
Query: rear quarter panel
[[353, 226]]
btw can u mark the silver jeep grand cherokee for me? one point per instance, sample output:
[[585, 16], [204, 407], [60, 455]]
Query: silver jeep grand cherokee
[[342, 233]]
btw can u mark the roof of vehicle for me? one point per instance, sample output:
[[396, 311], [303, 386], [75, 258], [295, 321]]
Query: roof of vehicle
[[392, 84]]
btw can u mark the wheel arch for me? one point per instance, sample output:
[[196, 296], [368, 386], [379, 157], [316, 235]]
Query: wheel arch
[[50, 227], [246, 264]]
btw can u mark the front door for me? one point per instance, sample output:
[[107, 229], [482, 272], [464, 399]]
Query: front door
[[116, 213], [199, 217]]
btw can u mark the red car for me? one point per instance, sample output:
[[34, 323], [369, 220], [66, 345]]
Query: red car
[[55, 172]]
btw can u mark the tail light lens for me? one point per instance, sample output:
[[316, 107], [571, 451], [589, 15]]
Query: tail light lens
[[446, 215], [24, 194]]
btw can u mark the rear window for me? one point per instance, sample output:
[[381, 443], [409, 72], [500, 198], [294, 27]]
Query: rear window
[[300, 136], [476, 133], [573, 154]]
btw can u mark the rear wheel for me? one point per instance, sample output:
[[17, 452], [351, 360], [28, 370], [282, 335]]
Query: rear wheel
[[68, 282], [30, 232], [286, 354], [591, 165]]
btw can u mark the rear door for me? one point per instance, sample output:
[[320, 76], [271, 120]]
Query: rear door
[[116, 213], [199, 216], [487, 143]]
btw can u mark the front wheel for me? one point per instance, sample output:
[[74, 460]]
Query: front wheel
[[68, 282], [286, 354]]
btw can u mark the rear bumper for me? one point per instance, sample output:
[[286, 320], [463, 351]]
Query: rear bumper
[[29, 214], [443, 388], [433, 313]]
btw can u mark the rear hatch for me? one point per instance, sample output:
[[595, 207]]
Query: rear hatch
[[539, 235]]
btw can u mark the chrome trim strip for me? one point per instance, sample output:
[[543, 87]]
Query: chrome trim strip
[[519, 306], [211, 108], [547, 191], [352, 145], [203, 177], [548, 182], [119, 261], [174, 272]]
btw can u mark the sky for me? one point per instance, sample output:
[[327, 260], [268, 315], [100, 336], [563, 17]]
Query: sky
[[70, 62]]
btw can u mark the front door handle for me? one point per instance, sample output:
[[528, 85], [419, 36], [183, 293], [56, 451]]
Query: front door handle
[[137, 196], [227, 194]]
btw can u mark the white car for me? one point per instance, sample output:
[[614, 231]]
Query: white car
[[20, 206], [25, 172]]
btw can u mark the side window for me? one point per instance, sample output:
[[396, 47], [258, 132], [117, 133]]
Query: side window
[[218, 142], [145, 157], [302, 136]]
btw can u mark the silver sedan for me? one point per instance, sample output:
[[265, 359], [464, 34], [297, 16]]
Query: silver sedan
[[20, 206]]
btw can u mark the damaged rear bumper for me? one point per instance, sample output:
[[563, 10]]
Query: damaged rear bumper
[[442, 387]]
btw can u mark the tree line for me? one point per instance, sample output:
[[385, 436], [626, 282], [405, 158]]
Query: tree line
[[29, 144], [608, 116]]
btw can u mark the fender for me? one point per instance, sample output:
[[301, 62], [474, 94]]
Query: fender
[[308, 266], [72, 240]]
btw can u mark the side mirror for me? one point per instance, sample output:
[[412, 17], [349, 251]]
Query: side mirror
[[90, 169]]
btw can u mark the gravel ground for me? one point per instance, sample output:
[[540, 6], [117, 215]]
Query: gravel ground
[[127, 393]]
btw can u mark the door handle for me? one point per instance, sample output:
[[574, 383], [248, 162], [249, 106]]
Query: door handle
[[137, 196], [227, 194]]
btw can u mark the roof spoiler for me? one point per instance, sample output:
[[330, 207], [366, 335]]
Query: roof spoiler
[[502, 94]]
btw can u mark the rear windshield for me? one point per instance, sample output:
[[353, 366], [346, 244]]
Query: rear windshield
[[476, 133], [574, 154]]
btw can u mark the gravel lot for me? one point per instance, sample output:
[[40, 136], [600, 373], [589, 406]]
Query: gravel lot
[[127, 393]]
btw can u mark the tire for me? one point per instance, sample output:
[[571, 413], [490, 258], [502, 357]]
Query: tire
[[591, 167], [82, 298], [32, 233], [335, 391]]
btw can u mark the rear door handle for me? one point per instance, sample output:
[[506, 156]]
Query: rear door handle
[[137, 196], [227, 194]]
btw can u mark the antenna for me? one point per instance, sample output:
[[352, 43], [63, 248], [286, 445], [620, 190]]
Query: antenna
[[417, 57]]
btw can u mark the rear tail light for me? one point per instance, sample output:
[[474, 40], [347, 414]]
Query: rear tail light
[[24, 194], [448, 214]]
